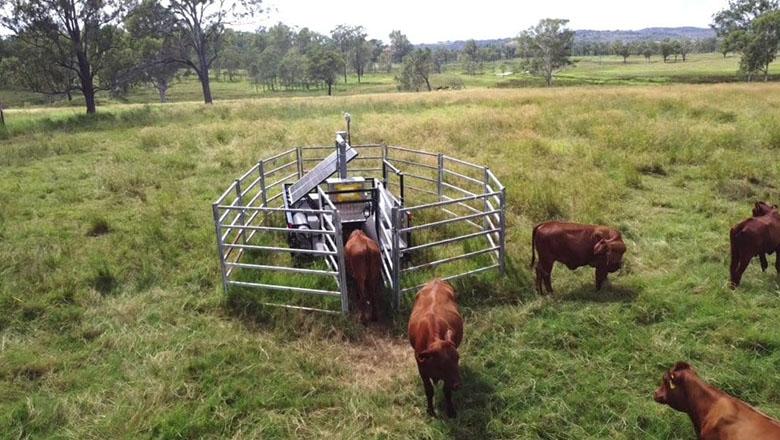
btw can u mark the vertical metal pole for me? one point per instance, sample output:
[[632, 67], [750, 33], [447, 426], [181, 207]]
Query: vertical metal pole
[[377, 214], [241, 213], [396, 254], [401, 183], [299, 159], [263, 193], [502, 232], [220, 249], [486, 205], [341, 148], [342, 267], [441, 175]]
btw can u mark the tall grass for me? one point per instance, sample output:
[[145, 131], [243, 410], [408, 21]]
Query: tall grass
[[113, 322]]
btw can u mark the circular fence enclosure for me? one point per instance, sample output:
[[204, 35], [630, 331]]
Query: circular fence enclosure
[[282, 225]]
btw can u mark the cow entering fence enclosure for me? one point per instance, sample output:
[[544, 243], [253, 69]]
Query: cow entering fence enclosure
[[282, 225]]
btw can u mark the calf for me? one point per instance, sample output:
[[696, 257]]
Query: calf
[[575, 245], [756, 236], [435, 332], [715, 414], [362, 258]]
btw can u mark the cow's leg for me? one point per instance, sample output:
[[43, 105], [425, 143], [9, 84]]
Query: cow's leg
[[744, 261], [544, 274], [764, 263], [777, 260], [539, 278], [449, 407], [428, 393], [601, 276], [734, 265]]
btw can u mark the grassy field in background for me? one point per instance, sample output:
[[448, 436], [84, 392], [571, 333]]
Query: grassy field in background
[[113, 323], [603, 70]]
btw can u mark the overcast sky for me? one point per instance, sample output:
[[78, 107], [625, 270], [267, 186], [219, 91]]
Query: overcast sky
[[430, 21]]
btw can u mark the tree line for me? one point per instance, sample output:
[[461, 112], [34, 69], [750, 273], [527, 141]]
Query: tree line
[[63, 47]]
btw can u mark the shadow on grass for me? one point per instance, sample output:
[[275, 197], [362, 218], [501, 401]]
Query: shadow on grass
[[608, 294], [103, 120], [475, 404]]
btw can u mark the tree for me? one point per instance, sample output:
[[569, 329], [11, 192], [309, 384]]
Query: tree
[[739, 15], [29, 67], [360, 54], [154, 40], [75, 35], [469, 57], [325, 63], [342, 37], [549, 45], [667, 48], [622, 49], [686, 46], [202, 23], [760, 45], [417, 69], [399, 46], [648, 49], [733, 24]]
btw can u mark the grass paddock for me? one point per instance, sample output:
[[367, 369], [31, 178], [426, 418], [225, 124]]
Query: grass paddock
[[113, 323]]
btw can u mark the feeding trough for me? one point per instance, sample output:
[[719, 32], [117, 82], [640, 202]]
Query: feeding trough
[[284, 222]]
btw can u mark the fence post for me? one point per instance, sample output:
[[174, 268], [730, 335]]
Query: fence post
[[220, 249], [502, 232], [2, 117], [440, 178], [241, 214], [401, 184], [299, 159], [340, 258], [396, 254], [486, 181], [263, 193]]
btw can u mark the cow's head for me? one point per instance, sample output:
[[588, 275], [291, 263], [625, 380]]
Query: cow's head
[[441, 359], [672, 391], [611, 249], [763, 208]]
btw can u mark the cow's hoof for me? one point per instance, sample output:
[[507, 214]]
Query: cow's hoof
[[431, 412]]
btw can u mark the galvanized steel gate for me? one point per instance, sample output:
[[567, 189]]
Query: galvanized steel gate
[[466, 201]]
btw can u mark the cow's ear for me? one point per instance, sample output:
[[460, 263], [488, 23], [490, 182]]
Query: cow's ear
[[600, 247]]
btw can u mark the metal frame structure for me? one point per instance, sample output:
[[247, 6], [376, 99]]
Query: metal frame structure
[[409, 182]]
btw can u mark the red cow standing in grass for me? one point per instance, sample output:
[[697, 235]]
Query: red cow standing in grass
[[756, 236], [575, 245], [435, 332], [715, 414], [363, 263]]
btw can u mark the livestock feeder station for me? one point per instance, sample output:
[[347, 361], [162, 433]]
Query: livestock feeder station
[[282, 225]]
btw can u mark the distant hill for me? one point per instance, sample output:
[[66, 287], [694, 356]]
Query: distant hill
[[591, 36]]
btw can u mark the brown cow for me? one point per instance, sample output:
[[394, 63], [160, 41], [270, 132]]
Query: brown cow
[[763, 208], [362, 258], [756, 236], [575, 245], [715, 414], [435, 332]]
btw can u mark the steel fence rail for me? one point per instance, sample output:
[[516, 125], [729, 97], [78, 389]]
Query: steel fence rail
[[449, 240], [254, 214], [450, 259]]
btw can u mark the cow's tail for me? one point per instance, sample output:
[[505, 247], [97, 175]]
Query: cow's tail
[[533, 244]]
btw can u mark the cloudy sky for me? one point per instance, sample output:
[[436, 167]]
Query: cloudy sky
[[430, 21]]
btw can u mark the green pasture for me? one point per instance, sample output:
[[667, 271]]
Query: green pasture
[[113, 322]]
